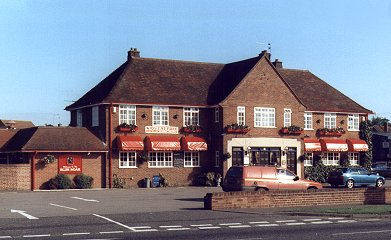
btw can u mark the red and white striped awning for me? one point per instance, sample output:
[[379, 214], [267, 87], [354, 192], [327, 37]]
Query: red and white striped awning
[[333, 145], [130, 143], [162, 143], [312, 145], [357, 145], [193, 144]]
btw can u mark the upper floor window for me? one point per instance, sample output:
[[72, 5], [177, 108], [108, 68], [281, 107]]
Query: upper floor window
[[287, 117], [79, 118], [95, 116], [160, 116], [353, 122], [191, 116], [330, 120], [217, 115], [264, 117], [308, 120], [241, 116], [127, 114]]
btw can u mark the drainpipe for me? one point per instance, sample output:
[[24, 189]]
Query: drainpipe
[[110, 147], [33, 171]]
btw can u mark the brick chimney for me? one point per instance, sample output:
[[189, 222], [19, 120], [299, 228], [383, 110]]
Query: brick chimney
[[265, 53], [133, 53], [385, 126], [277, 63]]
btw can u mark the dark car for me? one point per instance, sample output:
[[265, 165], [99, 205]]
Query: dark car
[[382, 169], [354, 176]]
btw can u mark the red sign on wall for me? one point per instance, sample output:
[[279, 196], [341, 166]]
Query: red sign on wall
[[69, 164]]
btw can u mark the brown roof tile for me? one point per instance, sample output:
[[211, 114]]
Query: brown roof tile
[[5, 136], [18, 124]]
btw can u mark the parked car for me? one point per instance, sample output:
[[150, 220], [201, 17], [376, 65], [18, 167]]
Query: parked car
[[382, 169], [256, 178], [354, 176]]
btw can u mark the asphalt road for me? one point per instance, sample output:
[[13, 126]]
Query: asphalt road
[[164, 213]]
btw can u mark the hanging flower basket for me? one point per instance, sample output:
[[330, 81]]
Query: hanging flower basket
[[124, 127], [48, 159]]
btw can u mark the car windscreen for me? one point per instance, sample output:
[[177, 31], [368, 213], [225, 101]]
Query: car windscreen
[[236, 172]]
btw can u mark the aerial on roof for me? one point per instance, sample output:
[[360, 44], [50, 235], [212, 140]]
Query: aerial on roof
[[148, 81]]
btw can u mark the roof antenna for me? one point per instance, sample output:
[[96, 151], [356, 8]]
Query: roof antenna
[[269, 46]]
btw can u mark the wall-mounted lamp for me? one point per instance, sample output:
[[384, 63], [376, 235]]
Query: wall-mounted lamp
[[175, 116], [318, 121], [144, 116], [342, 122]]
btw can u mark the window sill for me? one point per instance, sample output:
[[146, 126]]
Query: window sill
[[160, 167], [127, 167], [192, 166]]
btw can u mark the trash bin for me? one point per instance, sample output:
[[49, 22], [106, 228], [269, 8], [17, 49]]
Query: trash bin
[[156, 181], [147, 183]]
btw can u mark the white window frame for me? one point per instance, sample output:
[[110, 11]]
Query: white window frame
[[191, 159], [354, 158], [353, 122], [217, 114], [330, 120], [241, 115], [331, 158], [308, 124], [160, 116], [160, 159], [127, 114], [79, 118], [217, 159], [95, 116], [309, 161], [191, 116], [264, 117], [287, 117], [127, 160]]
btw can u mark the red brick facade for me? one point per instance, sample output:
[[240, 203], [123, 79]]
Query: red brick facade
[[15, 177]]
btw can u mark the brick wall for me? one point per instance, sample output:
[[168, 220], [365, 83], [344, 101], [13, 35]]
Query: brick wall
[[15, 177], [270, 199]]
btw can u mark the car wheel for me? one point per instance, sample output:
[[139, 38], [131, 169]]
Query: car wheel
[[350, 183], [379, 183]]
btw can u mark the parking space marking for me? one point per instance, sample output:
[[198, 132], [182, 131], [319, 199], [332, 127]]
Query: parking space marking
[[322, 222], [229, 224], [201, 225], [76, 234], [239, 226], [56, 205], [268, 225], [115, 222], [286, 221], [84, 199], [207, 228], [295, 223], [111, 232], [36, 236], [262, 222]]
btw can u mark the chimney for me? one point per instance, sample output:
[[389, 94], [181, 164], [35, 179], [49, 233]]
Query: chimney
[[386, 127], [277, 63], [133, 53], [265, 53]]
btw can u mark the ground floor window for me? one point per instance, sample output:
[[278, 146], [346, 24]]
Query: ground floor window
[[265, 156], [192, 159], [160, 159], [127, 159], [217, 159], [309, 159], [330, 158], [354, 158]]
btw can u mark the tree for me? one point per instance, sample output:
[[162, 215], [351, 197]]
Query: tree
[[366, 134], [378, 121]]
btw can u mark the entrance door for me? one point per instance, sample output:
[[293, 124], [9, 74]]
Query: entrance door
[[291, 159], [237, 156]]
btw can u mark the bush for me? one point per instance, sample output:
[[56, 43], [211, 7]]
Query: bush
[[318, 172], [60, 181], [83, 181]]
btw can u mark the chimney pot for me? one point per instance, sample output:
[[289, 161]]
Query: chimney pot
[[133, 53], [277, 63]]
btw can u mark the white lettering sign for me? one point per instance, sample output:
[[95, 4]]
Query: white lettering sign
[[161, 129]]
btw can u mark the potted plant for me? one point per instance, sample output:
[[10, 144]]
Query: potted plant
[[193, 128], [331, 131], [291, 130], [237, 128], [124, 127], [48, 159]]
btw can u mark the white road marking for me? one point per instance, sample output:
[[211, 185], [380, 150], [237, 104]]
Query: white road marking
[[322, 222], [5, 237], [286, 221], [347, 221], [295, 223], [174, 226], [371, 220], [240, 226], [335, 218], [36, 236], [268, 225], [112, 232], [354, 233], [75, 234], [207, 228], [263, 222], [201, 225], [177, 229], [118, 223], [229, 224], [56, 205], [23, 213], [84, 199], [311, 219]]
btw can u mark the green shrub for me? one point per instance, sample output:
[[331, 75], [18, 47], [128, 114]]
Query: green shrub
[[318, 172], [83, 181], [60, 181]]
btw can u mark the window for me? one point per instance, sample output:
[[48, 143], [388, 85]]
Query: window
[[354, 158], [192, 159], [79, 118], [264, 117], [330, 158], [287, 117], [217, 115], [95, 116], [353, 122], [191, 116], [127, 114], [160, 159], [308, 120], [160, 116], [241, 116], [127, 159], [309, 161], [330, 120], [217, 159]]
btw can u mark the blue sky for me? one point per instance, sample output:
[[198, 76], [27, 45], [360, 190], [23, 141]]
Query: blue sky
[[52, 52]]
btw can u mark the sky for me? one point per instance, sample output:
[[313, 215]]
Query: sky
[[52, 52]]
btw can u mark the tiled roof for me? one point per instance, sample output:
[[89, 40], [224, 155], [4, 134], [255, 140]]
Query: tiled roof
[[55, 139], [317, 95], [5, 136], [18, 124]]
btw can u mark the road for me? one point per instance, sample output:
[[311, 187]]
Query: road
[[172, 213]]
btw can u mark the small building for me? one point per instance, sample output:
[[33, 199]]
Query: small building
[[381, 140]]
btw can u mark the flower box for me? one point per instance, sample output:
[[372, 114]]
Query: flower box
[[330, 134], [231, 130], [190, 130], [127, 129], [292, 130]]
